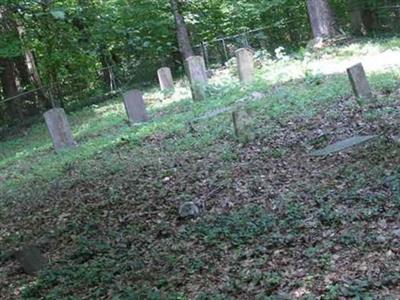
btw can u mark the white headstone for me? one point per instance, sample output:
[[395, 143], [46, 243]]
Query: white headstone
[[165, 79], [196, 71], [245, 63], [135, 107], [359, 81], [59, 129]]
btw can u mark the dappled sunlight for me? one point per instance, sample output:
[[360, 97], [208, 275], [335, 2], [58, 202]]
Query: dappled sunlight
[[373, 62], [159, 99]]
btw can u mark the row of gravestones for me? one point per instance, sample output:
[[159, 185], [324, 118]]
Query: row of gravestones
[[30, 257], [61, 133], [58, 125]]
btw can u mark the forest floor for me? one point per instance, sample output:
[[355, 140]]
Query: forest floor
[[277, 223]]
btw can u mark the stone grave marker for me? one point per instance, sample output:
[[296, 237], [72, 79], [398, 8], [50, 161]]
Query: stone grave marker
[[135, 107], [343, 145], [359, 81], [59, 129], [196, 71], [165, 79], [31, 259], [242, 125], [245, 63]]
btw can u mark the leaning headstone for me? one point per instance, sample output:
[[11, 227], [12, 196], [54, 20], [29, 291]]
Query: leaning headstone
[[59, 129], [196, 71], [242, 125], [31, 259], [359, 81], [245, 63], [165, 79], [135, 107]]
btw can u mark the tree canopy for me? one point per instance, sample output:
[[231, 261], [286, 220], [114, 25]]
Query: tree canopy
[[71, 50]]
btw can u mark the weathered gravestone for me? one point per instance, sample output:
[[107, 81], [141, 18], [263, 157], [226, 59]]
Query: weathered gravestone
[[31, 259], [242, 125], [196, 71], [135, 107], [165, 79], [245, 63], [59, 129], [359, 81]]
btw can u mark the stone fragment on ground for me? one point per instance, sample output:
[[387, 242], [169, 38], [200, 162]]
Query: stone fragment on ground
[[31, 259], [189, 210], [343, 145]]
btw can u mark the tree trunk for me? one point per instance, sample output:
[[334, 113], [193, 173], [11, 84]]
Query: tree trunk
[[370, 19], [182, 33], [107, 70], [322, 19], [9, 87], [356, 15]]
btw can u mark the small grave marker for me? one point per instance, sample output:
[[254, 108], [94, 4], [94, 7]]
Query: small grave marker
[[165, 79], [135, 107], [59, 129], [245, 63], [189, 210], [359, 81], [242, 125], [196, 71], [31, 259]]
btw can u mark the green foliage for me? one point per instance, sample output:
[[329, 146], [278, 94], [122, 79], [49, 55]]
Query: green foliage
[[238, 228], [276, 224]]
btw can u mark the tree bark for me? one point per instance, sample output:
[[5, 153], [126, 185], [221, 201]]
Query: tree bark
[[356, 15], [9, 87], [322, 19], [182, 32]]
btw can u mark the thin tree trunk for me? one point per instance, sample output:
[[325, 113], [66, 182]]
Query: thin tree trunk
[[322, 19], [182, 32], [107, 71]]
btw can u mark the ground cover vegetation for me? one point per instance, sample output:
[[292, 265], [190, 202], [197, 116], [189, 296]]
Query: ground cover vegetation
[[276, 223]]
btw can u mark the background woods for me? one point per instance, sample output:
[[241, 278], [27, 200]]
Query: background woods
[[64, 52]]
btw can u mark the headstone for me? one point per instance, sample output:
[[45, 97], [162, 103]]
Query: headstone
[[165, 79], [31, 259], [59, 129], [245, 63], [359, 81], [196, 71], [135, 107], [242, 125]]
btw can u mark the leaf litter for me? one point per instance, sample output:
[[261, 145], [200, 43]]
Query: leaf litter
[[276, 222]]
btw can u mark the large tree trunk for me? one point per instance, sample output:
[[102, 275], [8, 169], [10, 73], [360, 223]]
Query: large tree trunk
[[322, 19], [9, 87], [182, 33], [8, 73]]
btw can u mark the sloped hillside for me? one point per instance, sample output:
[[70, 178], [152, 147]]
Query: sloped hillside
[[275, 222]]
